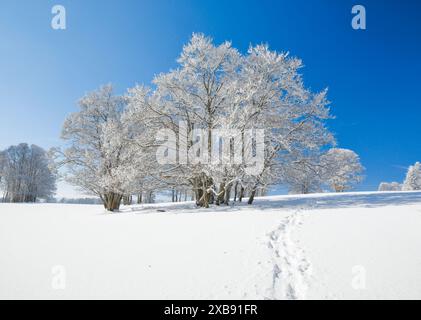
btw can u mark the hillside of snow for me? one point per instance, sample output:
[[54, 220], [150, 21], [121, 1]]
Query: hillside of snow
[[327, 246]]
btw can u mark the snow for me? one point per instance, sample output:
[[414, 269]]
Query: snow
[[66, 190], [328, 246]]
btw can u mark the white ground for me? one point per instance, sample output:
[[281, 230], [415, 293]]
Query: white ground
[[356, 245]]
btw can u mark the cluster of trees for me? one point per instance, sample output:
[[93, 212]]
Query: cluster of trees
[[119, 146], [390, 186], [412, 181], [26, 174]]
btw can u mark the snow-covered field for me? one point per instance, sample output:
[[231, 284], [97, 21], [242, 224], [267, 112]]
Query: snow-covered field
[[354, 245]]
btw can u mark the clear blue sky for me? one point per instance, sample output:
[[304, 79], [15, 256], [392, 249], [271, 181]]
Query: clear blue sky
[[373, 75]]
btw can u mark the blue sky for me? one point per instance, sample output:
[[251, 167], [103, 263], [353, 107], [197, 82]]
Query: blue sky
[[373, 75]]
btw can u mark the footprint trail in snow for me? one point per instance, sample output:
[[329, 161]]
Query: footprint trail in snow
[[291, 270]]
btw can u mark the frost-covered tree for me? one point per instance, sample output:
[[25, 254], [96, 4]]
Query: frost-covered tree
[[26, 174], [231, 123], [198, 94], [215, 88], [104, 151], [292, 116], [342, 169], [2, 165], [303, 175], [413, 178], [392, 186]]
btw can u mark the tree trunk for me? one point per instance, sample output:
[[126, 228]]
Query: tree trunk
[[221, 195], [127, 200], [112, 201], [241, 194], [251, 199], [228, 194], [204, 196], [199, 195], [212, 197]]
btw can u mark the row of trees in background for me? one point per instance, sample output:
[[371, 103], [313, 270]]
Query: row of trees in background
[[112, 142], [412, 181], [26, 174]]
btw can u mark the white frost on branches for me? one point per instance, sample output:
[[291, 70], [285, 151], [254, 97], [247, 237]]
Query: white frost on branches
[[26, 174], [217, 89], [104, 154], [342, 169], [413, 178], [215, 105]]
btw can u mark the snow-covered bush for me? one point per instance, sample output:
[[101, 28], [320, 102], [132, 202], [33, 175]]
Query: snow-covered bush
[[342, 169], [392, 186], [413, 178]]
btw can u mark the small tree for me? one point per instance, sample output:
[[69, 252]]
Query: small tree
[[342, 169], [413, 178], [303, 176]]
